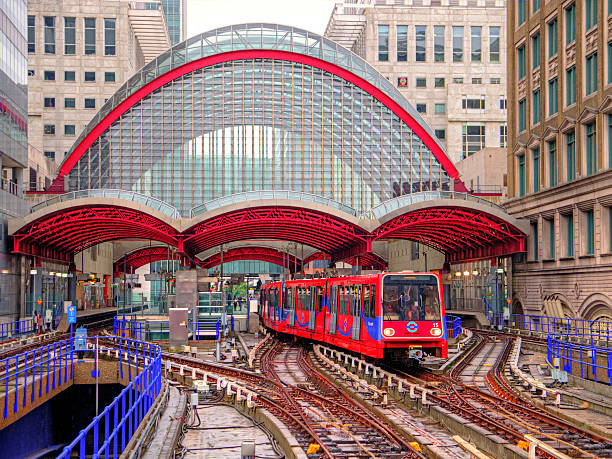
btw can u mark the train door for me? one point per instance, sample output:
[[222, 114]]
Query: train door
[[291, 305], [333, 310], [356, 297], [311, 301]]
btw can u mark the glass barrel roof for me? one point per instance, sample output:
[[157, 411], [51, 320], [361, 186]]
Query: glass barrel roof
[[247, 37]]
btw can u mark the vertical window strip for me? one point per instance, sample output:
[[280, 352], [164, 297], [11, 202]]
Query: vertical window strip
[[551, 238], [552, 163], [590, 221], [571, 156], [570, 235], [536, 170], [591, 149]]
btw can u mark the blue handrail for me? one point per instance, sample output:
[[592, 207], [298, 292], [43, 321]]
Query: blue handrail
[[19, 327], [453, 326], [147, 330], [113, 428], [548, 324]]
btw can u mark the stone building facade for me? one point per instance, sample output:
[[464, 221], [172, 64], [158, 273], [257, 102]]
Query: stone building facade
[[560, 154], [79, 53]]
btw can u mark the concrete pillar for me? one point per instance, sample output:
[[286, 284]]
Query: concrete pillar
[[18, 177], [72, 283]]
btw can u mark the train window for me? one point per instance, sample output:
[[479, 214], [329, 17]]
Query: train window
[[312, 299], [373, 301], [301, 298], [341, 300], [334, 299], [366, 301], [351, 298], [320, 298]]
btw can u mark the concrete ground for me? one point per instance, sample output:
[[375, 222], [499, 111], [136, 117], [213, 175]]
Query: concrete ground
[[223, 431]]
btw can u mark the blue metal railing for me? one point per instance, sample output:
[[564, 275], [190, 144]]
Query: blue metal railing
[[160, 330], [24, 375], [19, 327], [546, 324], [110, 431], [592, 361], [453, 326]]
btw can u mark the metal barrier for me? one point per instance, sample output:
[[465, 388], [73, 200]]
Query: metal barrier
[[160, 330], [120, 420], [546, 324], [39, 365], [592, 361], [453, 326], [20, 327]]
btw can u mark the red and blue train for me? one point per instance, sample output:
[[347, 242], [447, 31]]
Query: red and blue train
[[388, 315]]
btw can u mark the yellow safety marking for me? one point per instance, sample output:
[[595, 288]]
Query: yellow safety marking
[[313, 448], [524, 445], [488, 365], [416, 446]]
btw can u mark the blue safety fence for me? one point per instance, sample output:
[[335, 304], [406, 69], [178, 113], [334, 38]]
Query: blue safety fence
[[589, 361], [109, 432], [548, 324], [19, 327], [453, 326], [24, 377], [147, 330]]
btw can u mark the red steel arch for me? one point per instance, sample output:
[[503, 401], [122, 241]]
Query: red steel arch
[[366, 260], [324, 231], [463, 234], [254, 253], [140, 257], [60, 234], [288, 56]]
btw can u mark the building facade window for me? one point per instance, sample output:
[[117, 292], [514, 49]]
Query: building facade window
[[494, 44], [552, 38], [439, 82], [49, 75], [495, 80], [420, 33], [503, 103], [503, 135], [458, 80], [473, 104], [50, 155], [570, 24], [521, 11], [535, 5], [421, 108], [439, 38], [109, 37], [49, 102], [610, 151], [402, 43], [90, 35], [473, 136], [522, 115], [551, 239], [476, 80], [590, 232], [609, 62], [536, 241], [591, 73], [90, 103], [457, 43], [570, 86], [69, 129], [570, 147], [49, 34], [69, 75], [591, 148], [535, 51], [69, 102], [69, 35], [590, 14], [90, 76], [109, 77], [553, 105], [49, 129], [441, 134], [421, 82], [569, 222], [536, 169], [476, 43], [31, 34], [520, 56], [535, 105], [552, 163], [521, 174], [440, 108]]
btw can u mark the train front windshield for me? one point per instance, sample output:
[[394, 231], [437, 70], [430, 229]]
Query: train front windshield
[[411, 298]]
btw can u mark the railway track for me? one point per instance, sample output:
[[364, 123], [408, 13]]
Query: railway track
[[498, 408]]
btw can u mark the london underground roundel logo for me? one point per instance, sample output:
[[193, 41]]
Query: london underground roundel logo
[[412, 327]]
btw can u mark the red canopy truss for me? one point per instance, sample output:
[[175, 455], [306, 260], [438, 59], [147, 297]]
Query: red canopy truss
[[462, 233], [254, 253]]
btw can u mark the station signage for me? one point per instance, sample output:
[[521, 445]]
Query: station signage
[[402, 82]]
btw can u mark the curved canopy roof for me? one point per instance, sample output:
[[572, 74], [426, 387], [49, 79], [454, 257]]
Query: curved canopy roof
[[249, 37]]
